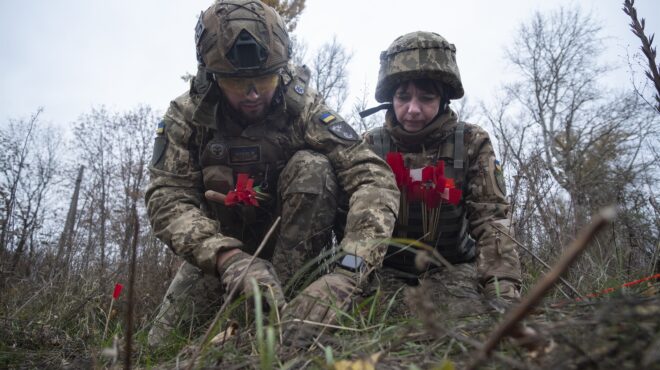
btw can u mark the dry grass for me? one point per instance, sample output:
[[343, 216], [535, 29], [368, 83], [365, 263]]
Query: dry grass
[[58, 323]]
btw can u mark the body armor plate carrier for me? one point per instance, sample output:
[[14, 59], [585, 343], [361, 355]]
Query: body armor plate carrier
[[453, 242]]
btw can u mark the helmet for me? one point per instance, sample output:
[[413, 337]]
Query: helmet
[[418, 55], [241, 38]]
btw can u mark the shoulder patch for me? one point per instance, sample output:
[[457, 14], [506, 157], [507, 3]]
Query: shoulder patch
[[343, 130], [296, 92], [160, 144], [160, 129], [499, 176], [327, 118]]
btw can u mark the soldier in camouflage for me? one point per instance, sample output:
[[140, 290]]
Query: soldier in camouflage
[[417, 79], [249, 112]]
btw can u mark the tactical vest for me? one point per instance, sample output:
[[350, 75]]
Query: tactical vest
[[453, 242], [259, 150]]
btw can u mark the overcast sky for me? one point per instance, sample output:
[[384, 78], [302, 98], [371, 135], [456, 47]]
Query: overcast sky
[[71, 55]]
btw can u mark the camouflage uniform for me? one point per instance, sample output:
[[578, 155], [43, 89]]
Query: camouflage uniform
[[302, 156], [468, 232]]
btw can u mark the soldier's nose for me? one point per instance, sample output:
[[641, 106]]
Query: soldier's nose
[[413, 107], [252, 94]]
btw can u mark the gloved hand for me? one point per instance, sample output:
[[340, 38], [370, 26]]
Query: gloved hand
[[502, 290], [319, 303], [261, 270]]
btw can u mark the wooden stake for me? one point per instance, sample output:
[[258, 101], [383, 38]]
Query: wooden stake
[[518, 312], [107, 319]]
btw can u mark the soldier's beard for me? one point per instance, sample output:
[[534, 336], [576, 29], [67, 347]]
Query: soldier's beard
[[251, 107], [245, 117], [252, 113]]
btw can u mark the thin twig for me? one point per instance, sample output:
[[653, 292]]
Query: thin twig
[[542, 262], [131, 288], [517, 313], [13, 316], [316, 323], [231, 295], [637, 27]]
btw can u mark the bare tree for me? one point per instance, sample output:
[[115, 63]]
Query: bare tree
[[582, 130], [298, 50], [361, 103], [330, 74], [571, 145], [28, 170], [15, 153], [94, 149], [133, 135]]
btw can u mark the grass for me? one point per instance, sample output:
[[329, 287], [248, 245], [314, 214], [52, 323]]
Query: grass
[[54, 324]]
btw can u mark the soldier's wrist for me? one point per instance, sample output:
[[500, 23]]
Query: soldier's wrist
[[353, 267], [226, 258]]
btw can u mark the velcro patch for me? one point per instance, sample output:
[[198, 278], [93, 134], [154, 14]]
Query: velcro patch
[[327, 118], [344, 131], [160, 144], [244, 154], [218, 149]]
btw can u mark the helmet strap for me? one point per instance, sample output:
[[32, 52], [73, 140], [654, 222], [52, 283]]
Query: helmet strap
[[367, 112]]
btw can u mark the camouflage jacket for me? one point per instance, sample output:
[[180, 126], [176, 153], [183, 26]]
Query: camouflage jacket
[[175, 199], [483, 207]]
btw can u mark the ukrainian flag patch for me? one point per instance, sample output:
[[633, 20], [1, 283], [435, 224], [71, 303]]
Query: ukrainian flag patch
[[327, 118], [161, 128]]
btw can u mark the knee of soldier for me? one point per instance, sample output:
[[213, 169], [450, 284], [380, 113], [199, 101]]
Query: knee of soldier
[[310, 173]]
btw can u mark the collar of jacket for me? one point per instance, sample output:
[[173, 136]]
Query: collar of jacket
[[205, 103], [424, 138]]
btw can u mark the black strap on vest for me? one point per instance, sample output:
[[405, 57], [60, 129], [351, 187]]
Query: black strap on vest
[[459, 148]]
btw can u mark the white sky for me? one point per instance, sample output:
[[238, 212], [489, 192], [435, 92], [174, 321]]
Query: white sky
[[70, 55]]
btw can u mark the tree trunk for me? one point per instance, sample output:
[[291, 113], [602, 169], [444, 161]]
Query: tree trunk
[[67, 234]]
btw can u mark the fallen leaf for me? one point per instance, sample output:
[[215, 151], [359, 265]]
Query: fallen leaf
[[445, 365], [222, 337], [362, 364]]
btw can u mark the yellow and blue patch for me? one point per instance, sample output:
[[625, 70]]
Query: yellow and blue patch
[[161, 128], [498, 166], [327, 118], [499, 176]]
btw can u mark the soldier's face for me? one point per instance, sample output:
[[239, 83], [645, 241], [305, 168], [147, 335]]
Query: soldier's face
[[250, 97], [414, 107]]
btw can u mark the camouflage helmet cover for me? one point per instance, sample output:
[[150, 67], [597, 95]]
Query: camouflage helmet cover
[[241, 38], [418, 55]]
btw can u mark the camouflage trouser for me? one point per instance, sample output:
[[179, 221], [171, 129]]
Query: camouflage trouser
[[307, 192], [454, 293], [191, 299]]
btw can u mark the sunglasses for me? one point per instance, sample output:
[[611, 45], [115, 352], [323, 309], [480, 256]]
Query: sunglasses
[[243, 85]]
